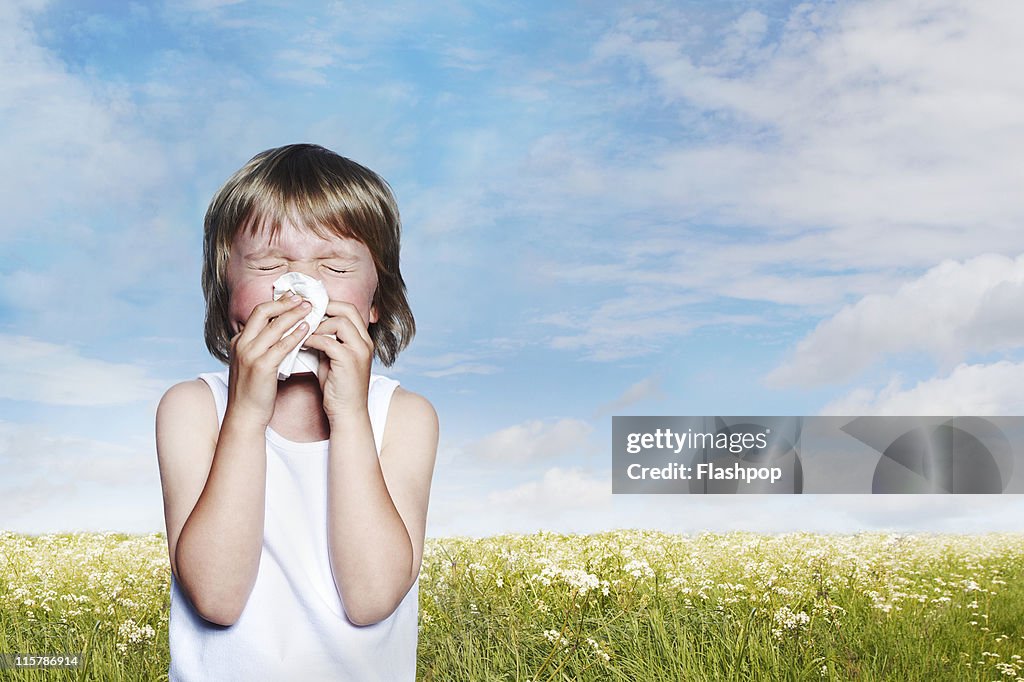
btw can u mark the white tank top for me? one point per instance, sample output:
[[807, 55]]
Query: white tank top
[[294, 626]]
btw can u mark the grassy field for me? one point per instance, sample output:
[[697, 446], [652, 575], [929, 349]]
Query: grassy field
[[622, 605]]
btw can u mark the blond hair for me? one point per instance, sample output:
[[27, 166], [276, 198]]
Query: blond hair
[[327, 194]]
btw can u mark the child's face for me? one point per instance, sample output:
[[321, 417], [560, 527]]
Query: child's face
[[254, 262]]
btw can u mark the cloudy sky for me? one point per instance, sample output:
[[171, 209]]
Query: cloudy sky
[[688, 208]]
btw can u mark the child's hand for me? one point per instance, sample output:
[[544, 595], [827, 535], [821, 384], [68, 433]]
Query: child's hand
[[345, 363], [257, 352]]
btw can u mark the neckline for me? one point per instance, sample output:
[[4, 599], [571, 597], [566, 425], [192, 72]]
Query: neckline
[[280, 441], [295, 446]]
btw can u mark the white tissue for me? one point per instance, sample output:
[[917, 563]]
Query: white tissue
[[301, 359]]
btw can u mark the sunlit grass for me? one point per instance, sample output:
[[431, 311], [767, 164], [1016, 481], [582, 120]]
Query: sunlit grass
[[622, 605]]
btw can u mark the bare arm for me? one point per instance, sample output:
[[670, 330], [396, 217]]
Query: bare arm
[[215, 486], [215, 551], [377, 507], [186, 437]]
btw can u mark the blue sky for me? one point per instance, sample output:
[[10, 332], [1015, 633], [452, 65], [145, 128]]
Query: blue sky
[[609, 208]]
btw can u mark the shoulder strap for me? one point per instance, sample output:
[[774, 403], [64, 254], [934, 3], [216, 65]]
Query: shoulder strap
[[218, 383], [379, 399]]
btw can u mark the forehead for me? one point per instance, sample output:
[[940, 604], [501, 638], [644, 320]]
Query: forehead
[[291, 239]]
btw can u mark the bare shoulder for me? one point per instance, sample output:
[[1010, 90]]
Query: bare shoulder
[[186, 438], [190, 405], [411, 421], [182, 396], [411, 411], [407, 457]]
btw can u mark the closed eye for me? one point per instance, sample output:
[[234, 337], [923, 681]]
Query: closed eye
[[340, 272], [270, 267]]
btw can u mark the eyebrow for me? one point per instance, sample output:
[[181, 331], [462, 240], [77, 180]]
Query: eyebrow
[[274, 251]]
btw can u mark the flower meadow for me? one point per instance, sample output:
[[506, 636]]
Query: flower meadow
[[619, 605]]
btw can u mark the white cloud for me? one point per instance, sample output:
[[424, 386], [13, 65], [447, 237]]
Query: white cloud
[[558, 490], [306, 63], [929, 513], [640, 322], [835, 513], [536, 439], [33, 495], [208, 5], [32, 449], [466, 58], [43, 372], [446, 364], [69, 140], [862, 115], [866, 141], [567, 498], [69, 479], [645, 389], [544, 503], [463, 368], [92, 208], [989, 390], [456, 208], [953, 309]]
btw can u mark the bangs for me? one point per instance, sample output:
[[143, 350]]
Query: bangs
[[322, 196], [267, 217], [321, 192]]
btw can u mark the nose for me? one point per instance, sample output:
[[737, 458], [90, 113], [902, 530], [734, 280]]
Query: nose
[[305, 267]]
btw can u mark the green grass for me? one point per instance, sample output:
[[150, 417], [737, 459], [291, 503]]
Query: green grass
[[623, 605]]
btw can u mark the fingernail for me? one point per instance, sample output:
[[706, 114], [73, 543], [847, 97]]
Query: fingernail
[[307, 304], [295, 297]]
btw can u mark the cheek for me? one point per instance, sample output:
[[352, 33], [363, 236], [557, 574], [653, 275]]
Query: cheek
[[243, 299], [359, 295]]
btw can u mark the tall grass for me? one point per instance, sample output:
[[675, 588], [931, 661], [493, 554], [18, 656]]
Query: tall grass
[[621, 605]]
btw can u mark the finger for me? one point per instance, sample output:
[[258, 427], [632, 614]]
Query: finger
[[331, 349], [354, 335], [273, 355], [346, 333], [301, 329], [288, 342], [278, 326], [263, 312], [346, 309]]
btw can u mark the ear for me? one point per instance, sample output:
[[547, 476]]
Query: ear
[[374, 315]]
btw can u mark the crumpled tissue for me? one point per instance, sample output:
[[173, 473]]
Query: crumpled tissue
[[301, 359]]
